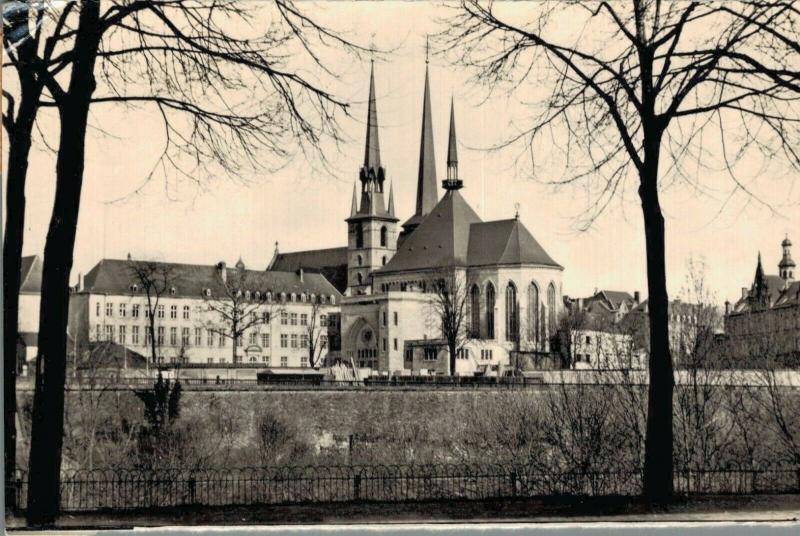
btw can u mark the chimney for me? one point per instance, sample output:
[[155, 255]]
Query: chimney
[[744, 292], [80, 282], [221, 270], [636, 296], [300, 273], [580, 304], [727, 307], [129, 256]]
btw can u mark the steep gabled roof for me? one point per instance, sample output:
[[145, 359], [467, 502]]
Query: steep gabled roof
[[31, 275], [112, 276], [330, 262], [505, 242], [442, 238]]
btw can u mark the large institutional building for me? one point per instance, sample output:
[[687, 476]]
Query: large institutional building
[[388, 270]]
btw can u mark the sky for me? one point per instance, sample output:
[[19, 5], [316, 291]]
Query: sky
[[303, 205]]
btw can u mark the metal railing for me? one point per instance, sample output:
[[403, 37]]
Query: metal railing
[[143, 489]]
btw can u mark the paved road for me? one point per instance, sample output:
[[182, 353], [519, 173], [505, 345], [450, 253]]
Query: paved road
[[764, 508]]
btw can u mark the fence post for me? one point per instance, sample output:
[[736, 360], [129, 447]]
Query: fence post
[[357, 486]]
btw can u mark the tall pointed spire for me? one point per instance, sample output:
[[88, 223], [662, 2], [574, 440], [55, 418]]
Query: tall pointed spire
[[391, 199], [372, 151], [427, 196], [354, 204], [452, 182]]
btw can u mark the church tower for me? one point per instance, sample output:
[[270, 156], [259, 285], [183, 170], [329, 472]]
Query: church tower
[[372, 225], [787, 265], [427, 195], [452, 182]]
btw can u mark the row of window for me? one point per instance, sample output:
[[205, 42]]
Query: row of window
[[535, 319], [265, 359], [395, 318], [359, 230], [160, 312], [261, 296], [108, 333]]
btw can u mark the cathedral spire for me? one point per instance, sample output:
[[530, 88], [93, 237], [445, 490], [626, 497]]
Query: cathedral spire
[[354, 204], [452, 182], [391, 199], [427, 196], [372, 151]]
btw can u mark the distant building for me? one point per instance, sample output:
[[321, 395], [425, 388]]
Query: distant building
[[110, 304], [30, 296], [765, 322]]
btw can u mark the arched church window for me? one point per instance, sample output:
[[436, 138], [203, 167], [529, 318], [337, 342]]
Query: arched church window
[[475, 312], [360, 260], [360, 279], [511, 312], [533, 311], [359, 235], [551, 307], [490, 304], [383, 236], [383, 261]]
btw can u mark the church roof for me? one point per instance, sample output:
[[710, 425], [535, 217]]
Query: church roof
[[372, 150], [31, 275], [330, 262], [112, 276], [454, 235], [426, 177]]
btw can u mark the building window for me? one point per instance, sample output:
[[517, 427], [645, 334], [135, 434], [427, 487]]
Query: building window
[[430, 353], [223, 341], [265, 340], [135, 310], [135, 335], [252, 359], [588, 339], [304, 361], [551, 307], [198, 336], [122, 335], [173, 311], [238, 341], [186, 312], [173, 336], [97, 309], [323, 320], [148, 336], [122, 310], [512, 312], [284, 340], [265, 359], [533, 312], [409, 354], [359, 236], [383, 260], [210, 360], [395, 343], [360, 278], [293, 319], [109, 309], [359, 260], [160, 336], [490, 304], [253, 338], [265, 317], [475, 312], [323, 341], [185, 336], [383, 236], [294, 340], [160, 311], [284, 361], [304, 319], [304, 340], [396, 319], [284, 318], [384, 344], [209, 338], [383, 316]]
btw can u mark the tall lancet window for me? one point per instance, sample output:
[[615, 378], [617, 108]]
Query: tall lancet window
[[551, 308], [359, 235], [475, 312], [533, 312], [490, 304], [512, 312], [383, 236]]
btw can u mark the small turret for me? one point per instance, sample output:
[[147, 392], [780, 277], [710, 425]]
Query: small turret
[[787, 265], [452, 182]]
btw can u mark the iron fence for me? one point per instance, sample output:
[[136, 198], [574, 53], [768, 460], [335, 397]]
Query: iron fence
[[119, 489]]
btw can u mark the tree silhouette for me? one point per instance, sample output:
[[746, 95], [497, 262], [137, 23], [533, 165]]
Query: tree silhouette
[[637, 89]]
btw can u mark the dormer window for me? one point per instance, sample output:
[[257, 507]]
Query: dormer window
[[303, 297], [269, 296], [172, 290], [258, 295], [247, 295], [292, 297], [134, 287], [283, 296], [332, 299], [207, 292]]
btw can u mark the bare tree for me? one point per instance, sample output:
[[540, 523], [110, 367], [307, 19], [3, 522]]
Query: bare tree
[[229, 98], [154, 280], [637, 90], [316, 334], [448, 308], [232, 308]]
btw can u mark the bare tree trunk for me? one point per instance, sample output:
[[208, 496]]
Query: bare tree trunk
[[47, 431], [19, 149], [658, 446]]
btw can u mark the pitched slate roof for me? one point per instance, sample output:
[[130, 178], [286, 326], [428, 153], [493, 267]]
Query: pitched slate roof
[[452, 234], [31, 275], [330, 262], [505, 242], [112, 276], [107, 354]]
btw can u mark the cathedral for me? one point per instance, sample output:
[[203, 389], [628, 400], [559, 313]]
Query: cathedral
[[511, 286]]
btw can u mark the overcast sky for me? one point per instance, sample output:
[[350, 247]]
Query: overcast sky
[[303, 207]]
